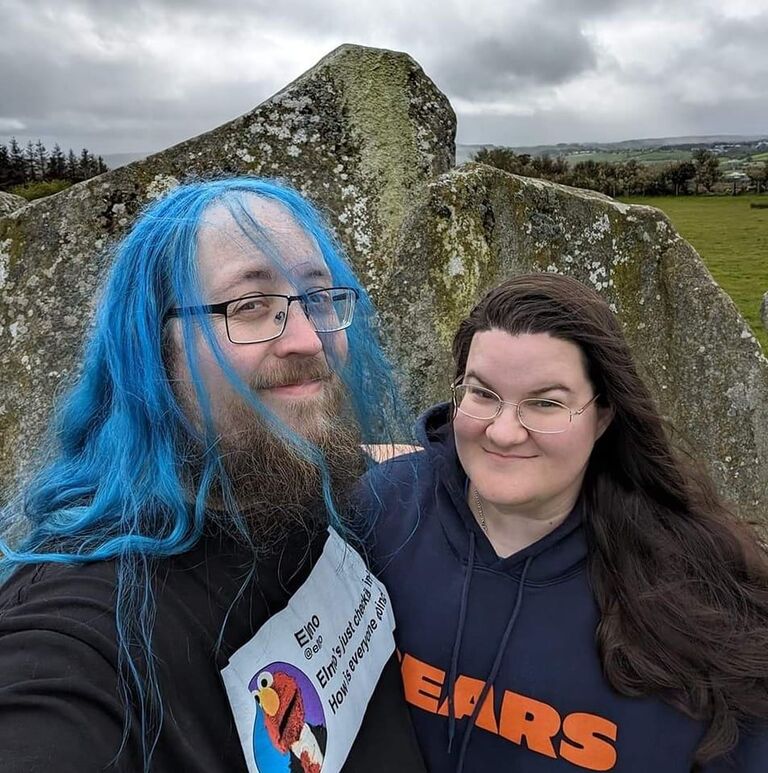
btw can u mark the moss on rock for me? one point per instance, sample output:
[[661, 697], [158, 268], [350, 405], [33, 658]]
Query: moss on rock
[[479, 225]]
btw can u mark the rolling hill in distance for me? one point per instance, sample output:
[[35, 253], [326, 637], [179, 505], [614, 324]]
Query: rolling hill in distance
[[626, 148], [749, 144]]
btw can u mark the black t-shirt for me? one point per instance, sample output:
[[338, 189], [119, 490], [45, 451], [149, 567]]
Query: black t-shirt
[[60, 705]]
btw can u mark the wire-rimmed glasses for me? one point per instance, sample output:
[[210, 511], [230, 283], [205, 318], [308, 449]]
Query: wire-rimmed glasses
[[536, 414], [260, 317]]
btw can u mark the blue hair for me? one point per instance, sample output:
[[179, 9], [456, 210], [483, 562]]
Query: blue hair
[[113, 488]]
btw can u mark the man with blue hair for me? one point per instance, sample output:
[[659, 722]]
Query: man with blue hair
[[183, 599]]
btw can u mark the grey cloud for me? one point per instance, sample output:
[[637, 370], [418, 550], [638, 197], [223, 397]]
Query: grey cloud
[[731, 52], [140, 100], [233, 15], [589, 9], [119, 105], [531, 52], [108, 102], [740, 32]]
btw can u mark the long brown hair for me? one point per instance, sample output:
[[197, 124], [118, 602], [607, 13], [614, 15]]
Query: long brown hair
[[681, 583]]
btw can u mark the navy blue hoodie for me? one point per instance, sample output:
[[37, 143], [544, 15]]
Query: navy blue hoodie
[[520, 629]]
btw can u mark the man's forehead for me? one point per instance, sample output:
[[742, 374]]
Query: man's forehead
[[265, 244]]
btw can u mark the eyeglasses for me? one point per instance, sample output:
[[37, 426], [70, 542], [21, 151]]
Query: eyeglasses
[[257, 318], [536, 414]]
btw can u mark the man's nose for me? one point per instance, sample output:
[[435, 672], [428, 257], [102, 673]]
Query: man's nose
[[299, 336]]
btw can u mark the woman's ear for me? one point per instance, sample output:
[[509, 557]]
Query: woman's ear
[[605, 414]]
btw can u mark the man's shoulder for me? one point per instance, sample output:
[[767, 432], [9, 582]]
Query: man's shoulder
[[76, 600], [37, 582]]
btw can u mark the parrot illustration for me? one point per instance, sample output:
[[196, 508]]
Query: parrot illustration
[[289, 734]]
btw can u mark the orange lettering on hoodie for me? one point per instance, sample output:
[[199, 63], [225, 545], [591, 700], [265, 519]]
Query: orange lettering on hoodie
[[588, 741], [422, 683], [533, 720], [465, 696]]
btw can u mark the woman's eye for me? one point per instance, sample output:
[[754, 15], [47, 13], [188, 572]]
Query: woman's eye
[[545, 404], [480, 394]]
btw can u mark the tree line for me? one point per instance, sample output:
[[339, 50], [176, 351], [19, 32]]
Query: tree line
[[35, 164], [621, 178]]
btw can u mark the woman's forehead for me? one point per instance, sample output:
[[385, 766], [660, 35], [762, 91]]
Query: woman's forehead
[[524, 358]]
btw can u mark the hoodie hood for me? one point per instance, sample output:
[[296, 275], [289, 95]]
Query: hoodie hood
[[558, 555]]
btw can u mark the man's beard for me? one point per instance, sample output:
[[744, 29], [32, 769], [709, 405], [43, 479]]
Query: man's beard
[[266, 479]]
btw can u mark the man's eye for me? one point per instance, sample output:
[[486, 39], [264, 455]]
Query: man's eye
[[250, 306], [320, 298]]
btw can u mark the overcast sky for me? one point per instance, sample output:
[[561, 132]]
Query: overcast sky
[[140, 75]]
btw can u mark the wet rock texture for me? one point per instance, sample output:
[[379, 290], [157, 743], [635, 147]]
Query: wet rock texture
[[360, 133], [368, 137], [10, 202], [478, 226]]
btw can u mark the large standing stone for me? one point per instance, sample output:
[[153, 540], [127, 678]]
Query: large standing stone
[[366, 134], [10, 202], [479, 225], [359, 134], [764, 311]]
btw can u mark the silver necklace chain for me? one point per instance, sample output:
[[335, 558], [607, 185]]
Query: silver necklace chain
[[480, 512]]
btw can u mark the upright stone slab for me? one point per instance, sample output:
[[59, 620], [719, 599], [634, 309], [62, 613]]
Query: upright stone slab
[[367, 135], [479, 225], [359, 134], [764, 310]]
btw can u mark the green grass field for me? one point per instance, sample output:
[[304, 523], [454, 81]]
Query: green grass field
[[731, 238]]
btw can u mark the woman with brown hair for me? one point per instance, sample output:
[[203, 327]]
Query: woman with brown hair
[[569, 593]]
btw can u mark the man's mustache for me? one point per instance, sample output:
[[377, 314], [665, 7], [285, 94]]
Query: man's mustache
[[288, 373]]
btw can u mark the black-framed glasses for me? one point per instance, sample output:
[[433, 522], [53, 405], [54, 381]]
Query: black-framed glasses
[[536, 414], [261, 317]]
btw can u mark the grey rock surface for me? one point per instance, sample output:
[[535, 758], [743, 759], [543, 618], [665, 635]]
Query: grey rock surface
[[10, 202], [359, 134], [478, 226], [764, 311], [367, 135]]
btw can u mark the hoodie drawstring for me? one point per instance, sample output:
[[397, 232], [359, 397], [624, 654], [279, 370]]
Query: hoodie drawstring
[[457, 641], [496, 663]]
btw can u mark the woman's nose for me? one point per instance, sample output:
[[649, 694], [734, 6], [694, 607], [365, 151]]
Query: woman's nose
[[506, 428]]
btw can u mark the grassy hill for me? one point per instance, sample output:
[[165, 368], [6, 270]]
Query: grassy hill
[[731, 238]]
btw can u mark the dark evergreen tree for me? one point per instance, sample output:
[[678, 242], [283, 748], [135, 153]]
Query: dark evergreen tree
[[41, 160], [57, 164], [71, 168], [85, 165], [17, 163], [34, 163], [29, 162], [5, 168]]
